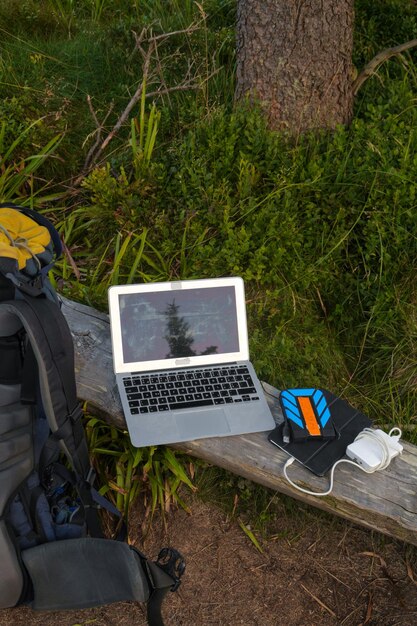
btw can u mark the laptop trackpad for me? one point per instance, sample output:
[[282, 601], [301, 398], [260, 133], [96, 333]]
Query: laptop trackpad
[[195, 424]]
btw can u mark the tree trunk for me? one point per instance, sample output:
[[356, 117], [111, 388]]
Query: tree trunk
[[295, 56]]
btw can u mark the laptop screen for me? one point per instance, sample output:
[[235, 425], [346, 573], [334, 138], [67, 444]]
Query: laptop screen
[[178, 324]]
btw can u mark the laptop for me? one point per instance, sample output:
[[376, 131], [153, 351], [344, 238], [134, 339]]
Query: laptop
[[181, 360]]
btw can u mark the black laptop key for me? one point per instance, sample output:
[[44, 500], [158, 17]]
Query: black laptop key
[[131, 389], [246, 390], [191, 405], [219, 401], [163, 407], [134, 396]]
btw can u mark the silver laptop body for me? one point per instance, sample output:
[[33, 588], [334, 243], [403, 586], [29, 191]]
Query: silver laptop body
[[181, 360]]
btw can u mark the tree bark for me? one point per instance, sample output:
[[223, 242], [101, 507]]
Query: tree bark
[[295, 57]]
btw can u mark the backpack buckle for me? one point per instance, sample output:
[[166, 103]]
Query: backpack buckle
[[91, 476], [38, 282], [173, 563], [31, 287], [76, 414]]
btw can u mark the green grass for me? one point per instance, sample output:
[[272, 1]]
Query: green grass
[[124, 473], [324, 231]]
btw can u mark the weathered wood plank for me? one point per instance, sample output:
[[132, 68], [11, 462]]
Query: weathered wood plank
[[385, 501]]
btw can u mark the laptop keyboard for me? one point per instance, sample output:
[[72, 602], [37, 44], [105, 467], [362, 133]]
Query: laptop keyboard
[[167, 391]]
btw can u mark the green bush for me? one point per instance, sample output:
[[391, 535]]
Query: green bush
[[323, 230]]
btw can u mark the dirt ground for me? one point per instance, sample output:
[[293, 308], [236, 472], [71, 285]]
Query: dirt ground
[[313, 571]]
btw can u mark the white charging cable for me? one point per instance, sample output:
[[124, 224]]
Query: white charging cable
[[367, 435]]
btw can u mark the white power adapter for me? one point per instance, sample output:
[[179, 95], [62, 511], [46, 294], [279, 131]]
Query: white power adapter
[[371, 451], [374, 449]]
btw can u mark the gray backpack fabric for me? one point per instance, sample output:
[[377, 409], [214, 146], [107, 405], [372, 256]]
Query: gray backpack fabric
[[52, 551]]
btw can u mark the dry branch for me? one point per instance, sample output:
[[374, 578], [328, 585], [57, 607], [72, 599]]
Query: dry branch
[[147, 44], [99, 127], [380, 58]]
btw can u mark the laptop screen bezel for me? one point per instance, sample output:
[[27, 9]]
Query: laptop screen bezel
[[120, 366]]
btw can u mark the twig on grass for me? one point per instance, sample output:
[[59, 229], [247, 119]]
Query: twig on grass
[[99, 127], [147, 45], [371, 67], [324, 606], [132, 102]]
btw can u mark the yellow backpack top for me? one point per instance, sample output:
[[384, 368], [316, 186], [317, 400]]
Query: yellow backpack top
[[29, 245]]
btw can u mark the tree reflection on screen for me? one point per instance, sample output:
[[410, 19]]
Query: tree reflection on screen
[[179, 336]]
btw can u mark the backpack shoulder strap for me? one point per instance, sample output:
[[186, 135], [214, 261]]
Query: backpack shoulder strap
[[51, 342]]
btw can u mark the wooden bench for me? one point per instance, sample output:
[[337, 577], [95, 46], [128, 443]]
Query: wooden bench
[[385, 501]]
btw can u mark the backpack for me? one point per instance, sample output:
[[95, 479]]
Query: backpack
[[53, 554]]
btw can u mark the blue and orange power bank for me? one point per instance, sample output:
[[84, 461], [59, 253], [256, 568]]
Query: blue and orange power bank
[[307, 414]]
